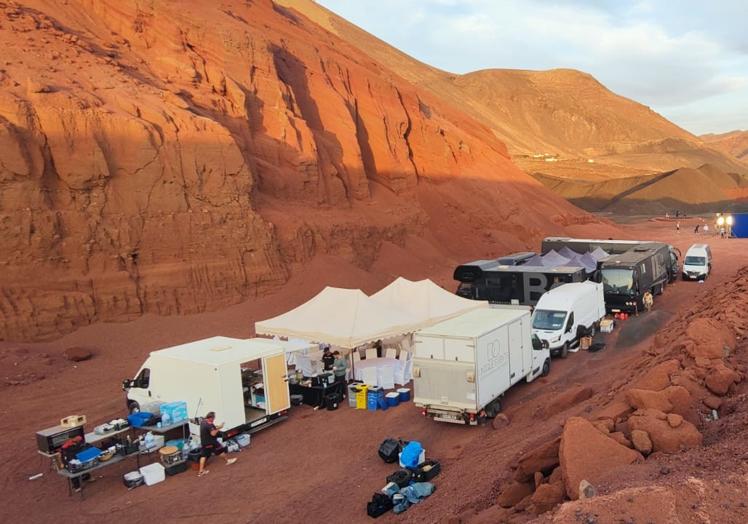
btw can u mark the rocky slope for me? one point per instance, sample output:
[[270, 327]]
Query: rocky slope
[[562, 113], [176, 157], [706, 189], [734, 143]]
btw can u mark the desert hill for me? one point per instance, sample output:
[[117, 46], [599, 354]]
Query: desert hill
[[179, 157], [706, 189], [564, 115], [734, 143]]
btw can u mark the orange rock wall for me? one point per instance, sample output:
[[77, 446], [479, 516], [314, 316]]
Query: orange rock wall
[[173, 157]]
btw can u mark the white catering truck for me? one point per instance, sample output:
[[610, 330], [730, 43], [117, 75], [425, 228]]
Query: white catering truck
[[568, 312], [243, 381], [463, 366]]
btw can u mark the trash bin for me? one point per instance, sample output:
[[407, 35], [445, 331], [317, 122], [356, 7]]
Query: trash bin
[[361, 396], [352, 392]]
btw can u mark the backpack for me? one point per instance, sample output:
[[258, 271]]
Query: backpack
[[401, 477], [389, 450], [379, 505]]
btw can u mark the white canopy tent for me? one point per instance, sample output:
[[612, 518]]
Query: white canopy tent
[[425, 301], [347, 318]]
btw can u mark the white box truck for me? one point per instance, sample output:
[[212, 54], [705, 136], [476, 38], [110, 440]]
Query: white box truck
[[463, 366], [244, 381], [568, 312]]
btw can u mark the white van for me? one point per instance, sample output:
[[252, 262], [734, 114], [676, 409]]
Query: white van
[[568, 312], [698, 262], [243, 381]]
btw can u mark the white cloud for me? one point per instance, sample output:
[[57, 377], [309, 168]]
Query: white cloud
[[634, 49]]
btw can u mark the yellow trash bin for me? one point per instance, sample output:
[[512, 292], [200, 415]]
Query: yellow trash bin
[[361, 396]]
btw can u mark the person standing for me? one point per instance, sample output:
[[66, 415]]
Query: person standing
[[339, 367], [327, 358], [677, 227], [696, 229], [209, 442]]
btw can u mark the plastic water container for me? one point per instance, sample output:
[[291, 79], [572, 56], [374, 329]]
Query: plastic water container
[[153, 473], [404, 394], [392, 399], [174, 411]]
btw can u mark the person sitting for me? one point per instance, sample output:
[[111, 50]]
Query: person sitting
[[209, 442], [327, 358]]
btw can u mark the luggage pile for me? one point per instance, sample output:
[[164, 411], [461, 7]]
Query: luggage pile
[[408, 485]]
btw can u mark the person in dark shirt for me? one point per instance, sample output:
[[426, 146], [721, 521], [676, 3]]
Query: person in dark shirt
[[328, 359], [209, 442]]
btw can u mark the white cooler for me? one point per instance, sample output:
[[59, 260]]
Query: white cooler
[[153, 473]]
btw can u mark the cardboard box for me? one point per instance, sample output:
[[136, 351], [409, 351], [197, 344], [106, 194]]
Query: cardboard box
[[585, 343], [607, 325]]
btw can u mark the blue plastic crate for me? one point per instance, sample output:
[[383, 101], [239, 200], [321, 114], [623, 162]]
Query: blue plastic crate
[[88, 454]]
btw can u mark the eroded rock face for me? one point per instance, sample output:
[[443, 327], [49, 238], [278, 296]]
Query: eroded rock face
[[587, 454], [178, 157]]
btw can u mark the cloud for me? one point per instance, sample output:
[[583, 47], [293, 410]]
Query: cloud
[[664, 55]]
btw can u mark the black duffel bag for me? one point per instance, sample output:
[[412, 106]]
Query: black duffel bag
[[427, 471], [379, 505], [401, 477], [389, 450]]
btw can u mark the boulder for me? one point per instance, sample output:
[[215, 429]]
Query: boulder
[[542, 459], [674, 420], [539, 478], [586, 490], [605, 425], [500, 421], [621, 439], [712, 402], [675, 399], [555, 477], [77, 354], [664, 437], [587, 454], [513, 492], [720, 378], [614, 410], [546, 497], [710, 338], [641, 441], [658, 377]]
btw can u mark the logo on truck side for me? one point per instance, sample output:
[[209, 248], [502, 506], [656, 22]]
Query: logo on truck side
[[494, 358]]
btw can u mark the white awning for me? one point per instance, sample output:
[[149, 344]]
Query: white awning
[[346, 318]]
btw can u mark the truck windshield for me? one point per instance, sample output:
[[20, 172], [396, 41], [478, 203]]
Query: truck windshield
[[618, 280], [695, 261], [549, 320]]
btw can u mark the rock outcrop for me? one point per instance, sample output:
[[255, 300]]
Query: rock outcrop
[[172, 158], [587, 454]]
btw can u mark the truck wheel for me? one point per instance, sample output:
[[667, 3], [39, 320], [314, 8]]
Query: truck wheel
[[565, 350], [493, 408], [546, 368], [133, 407]]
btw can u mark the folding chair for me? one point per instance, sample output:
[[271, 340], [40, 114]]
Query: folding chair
[[391, 353], [356, 356], [369, 376], [371, 353], [387, 377], [404, 355]]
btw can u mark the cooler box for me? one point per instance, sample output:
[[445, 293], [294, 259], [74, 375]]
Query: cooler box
[[153, 473], [373, 395], [404, 394], [174, 411], [392, 399], [412, 455], [361, 397]]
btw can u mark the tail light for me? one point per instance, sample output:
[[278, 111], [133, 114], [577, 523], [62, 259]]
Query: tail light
[[472, 417], [423, 412]]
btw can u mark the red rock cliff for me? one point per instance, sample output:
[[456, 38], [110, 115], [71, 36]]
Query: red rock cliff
[[173, 157]]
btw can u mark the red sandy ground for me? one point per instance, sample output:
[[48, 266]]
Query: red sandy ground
[[323, 466]]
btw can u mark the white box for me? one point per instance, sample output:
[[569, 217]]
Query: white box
[[153, 473]]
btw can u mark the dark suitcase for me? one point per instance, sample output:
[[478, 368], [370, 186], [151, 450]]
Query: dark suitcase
[[401, 477], [332, 401], [427, 471], [389, 450], [176, 469], [379, 505]]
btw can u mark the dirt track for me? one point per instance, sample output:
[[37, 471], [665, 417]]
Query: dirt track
[[317, 465]]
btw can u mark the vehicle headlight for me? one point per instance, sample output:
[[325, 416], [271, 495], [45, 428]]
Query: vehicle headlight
[[556, 339]]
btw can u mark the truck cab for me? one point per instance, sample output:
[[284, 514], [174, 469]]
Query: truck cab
[[698, 262]]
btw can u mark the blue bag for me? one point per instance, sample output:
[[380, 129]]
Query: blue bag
[[411, 454]]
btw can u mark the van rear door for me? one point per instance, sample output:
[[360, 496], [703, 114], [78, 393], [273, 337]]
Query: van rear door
[[275, 379]]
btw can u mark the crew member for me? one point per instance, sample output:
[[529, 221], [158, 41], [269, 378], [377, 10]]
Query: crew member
[[328, 359], [339, 367], [209, 442]]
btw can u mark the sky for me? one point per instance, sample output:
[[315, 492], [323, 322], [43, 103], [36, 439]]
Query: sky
[[686, 59]]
